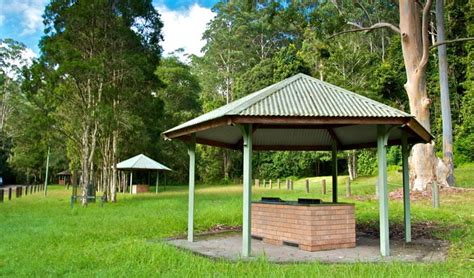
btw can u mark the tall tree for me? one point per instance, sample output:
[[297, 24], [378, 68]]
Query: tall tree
[[11, 64], [444, 91], [426, 168], [106, 53]]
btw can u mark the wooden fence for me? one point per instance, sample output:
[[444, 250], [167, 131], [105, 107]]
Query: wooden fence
[[309, 186], [17, 191]]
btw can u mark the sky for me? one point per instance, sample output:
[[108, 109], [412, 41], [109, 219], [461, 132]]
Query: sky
[[184, 22]]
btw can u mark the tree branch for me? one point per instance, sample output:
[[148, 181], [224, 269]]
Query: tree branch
[[378, 25], [451, 41], [425, 34]]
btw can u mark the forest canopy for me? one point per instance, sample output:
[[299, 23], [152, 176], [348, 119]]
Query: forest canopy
[[102, 91]]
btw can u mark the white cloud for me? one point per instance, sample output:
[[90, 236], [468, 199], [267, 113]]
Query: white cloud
[[12, 65], [184, 28], [29, 11]]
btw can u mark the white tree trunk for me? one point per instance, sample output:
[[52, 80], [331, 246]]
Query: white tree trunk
[[415, 46]]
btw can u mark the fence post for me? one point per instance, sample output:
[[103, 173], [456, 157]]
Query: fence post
[[278, 181], [323, 188], [2, 193], [17, 189], [348, 188], [271, 185], [9, 193], [435, 194], [264, 183], [291, 184], [26, 190], [307, 185]]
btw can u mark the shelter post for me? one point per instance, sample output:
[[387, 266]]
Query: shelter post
[[192, 165], [157, 181], [131, 181], [247, 190], [382, 136], [334, 172], [406, 187]]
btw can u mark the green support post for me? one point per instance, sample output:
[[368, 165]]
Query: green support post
[[334, 173], [192, 165], [47, 170], [157, 181], [247, 190], [406, 187], [383, 189]]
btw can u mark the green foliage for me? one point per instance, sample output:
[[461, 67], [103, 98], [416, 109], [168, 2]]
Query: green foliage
[[367, 162], [465, 133], [110, 51]]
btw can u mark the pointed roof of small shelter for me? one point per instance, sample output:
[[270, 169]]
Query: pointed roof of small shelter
[[64, 173], [141, 162]]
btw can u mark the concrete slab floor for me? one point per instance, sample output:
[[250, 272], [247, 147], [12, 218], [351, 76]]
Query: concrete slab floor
[[228, 246]]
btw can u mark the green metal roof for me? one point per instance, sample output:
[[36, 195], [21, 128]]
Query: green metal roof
[[301, 113], [300, 95]]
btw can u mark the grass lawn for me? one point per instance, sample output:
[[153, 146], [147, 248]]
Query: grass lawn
[[43, 237]]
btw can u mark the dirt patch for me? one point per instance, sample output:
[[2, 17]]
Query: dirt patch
[[419, 230], [426, 195], [223, 228], [214, 230]]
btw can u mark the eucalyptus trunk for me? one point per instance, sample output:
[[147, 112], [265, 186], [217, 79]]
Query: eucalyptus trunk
[[84, 162], [425, 167], [444, 91], [352, 164], [113, 189]]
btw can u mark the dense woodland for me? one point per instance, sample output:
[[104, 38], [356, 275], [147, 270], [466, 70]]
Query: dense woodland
[[102, 91]]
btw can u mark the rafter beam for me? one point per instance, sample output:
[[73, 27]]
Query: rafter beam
[[334, 137]]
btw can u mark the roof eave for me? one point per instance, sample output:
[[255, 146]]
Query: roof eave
[[292, 120], [417, 129]]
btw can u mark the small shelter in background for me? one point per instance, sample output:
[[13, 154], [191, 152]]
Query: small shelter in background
[[144, 164], [64, 177]]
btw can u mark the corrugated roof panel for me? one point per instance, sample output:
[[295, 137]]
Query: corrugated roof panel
[[300, 95], [309, 97]]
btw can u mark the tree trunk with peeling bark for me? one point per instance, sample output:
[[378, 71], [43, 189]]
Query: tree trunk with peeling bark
[[425, 167]]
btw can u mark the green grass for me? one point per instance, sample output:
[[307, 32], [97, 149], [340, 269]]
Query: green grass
[[464, 175], [43, 237]]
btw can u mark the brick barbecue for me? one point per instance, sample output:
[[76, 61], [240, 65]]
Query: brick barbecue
[[311, 227], [140, 188]]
